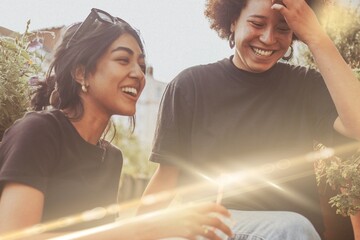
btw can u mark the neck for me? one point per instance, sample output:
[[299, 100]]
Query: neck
[[89, 126]]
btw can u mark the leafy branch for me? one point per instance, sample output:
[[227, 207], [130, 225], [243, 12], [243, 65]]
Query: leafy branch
[[343, 176], [17, 64]]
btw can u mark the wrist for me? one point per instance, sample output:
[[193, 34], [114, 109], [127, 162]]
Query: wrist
[[317, 40]]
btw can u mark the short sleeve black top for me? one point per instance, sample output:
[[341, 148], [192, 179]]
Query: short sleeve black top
[[216, 118], [43, 150]]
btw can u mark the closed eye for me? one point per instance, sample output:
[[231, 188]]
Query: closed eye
[[283, 26], [123, 61], [284, 29], [256, 24]]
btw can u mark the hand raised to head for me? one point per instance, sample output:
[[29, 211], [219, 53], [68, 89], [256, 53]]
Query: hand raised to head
[[301, 19]]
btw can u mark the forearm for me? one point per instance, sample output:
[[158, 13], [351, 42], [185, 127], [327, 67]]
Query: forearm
[[355, 221], [162, 184], [136, 229], [342, 83], [132, 229]]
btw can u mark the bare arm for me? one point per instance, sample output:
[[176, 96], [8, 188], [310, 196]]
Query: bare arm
[[355, 221], [164, 179], [20, 206], [342, 83]]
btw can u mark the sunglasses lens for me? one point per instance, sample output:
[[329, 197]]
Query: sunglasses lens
[[105, 17], [96, 15]]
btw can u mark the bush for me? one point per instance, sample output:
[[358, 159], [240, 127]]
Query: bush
[[17, 65], [342, 175]]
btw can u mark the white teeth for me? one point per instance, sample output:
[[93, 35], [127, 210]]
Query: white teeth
[[132, 91], [262, 52]]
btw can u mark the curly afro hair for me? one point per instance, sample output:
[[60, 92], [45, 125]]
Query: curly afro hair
[[221, 13]]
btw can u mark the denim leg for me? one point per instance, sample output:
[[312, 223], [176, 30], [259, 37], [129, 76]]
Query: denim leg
[[271, 225]]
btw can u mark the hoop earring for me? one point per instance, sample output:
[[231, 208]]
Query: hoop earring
[[54, 98], [84, 88], [232, 40], [289, 55]]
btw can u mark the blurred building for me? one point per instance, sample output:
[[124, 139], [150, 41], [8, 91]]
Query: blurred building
[[148, 106], [8, 32]]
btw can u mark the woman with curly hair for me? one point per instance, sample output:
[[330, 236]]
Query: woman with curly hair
[[248, 111]]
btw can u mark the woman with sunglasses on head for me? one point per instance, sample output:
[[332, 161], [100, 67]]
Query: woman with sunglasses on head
[[54, 162], [246, 112]]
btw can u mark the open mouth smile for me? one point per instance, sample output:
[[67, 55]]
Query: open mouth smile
[[130, 91], [261, 52]]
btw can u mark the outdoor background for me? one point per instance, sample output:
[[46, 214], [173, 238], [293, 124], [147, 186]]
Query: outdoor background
[[177, 36]]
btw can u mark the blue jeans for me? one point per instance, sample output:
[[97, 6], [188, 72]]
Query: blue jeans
[[271, 225]]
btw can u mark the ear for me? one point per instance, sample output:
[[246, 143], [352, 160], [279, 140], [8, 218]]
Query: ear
[[78, 74]]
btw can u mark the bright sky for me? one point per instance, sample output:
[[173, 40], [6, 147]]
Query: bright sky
[[176, 33]]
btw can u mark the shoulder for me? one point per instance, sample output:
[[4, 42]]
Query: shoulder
[[38, 119], [198, 72], [302, 79], [194, 77], [34, 126], [298, 71], [30, 148]]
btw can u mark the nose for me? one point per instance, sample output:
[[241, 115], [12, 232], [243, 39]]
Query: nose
[[137, 72], [268, 36]]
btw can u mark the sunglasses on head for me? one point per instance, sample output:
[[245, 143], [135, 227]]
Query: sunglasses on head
[[95, 15]]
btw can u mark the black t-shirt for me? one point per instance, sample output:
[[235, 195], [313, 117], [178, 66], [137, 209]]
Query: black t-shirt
[[43, 150], [217, 118]]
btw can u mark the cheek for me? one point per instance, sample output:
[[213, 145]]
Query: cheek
[[245, 35], [284, 41], [289, 38]]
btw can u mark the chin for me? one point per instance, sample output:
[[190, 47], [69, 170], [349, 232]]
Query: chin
[[127, 112]]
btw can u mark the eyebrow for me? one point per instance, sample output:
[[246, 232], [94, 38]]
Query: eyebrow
[[128, 50], [257, 16], [264, 17]]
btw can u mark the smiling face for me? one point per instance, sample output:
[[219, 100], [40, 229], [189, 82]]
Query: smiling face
[[262, 36], [118, 79]]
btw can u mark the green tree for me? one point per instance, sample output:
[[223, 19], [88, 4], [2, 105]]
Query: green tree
[[17, 65]]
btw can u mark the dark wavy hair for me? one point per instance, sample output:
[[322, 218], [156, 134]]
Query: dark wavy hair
[[222, 13], [60, 90]]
